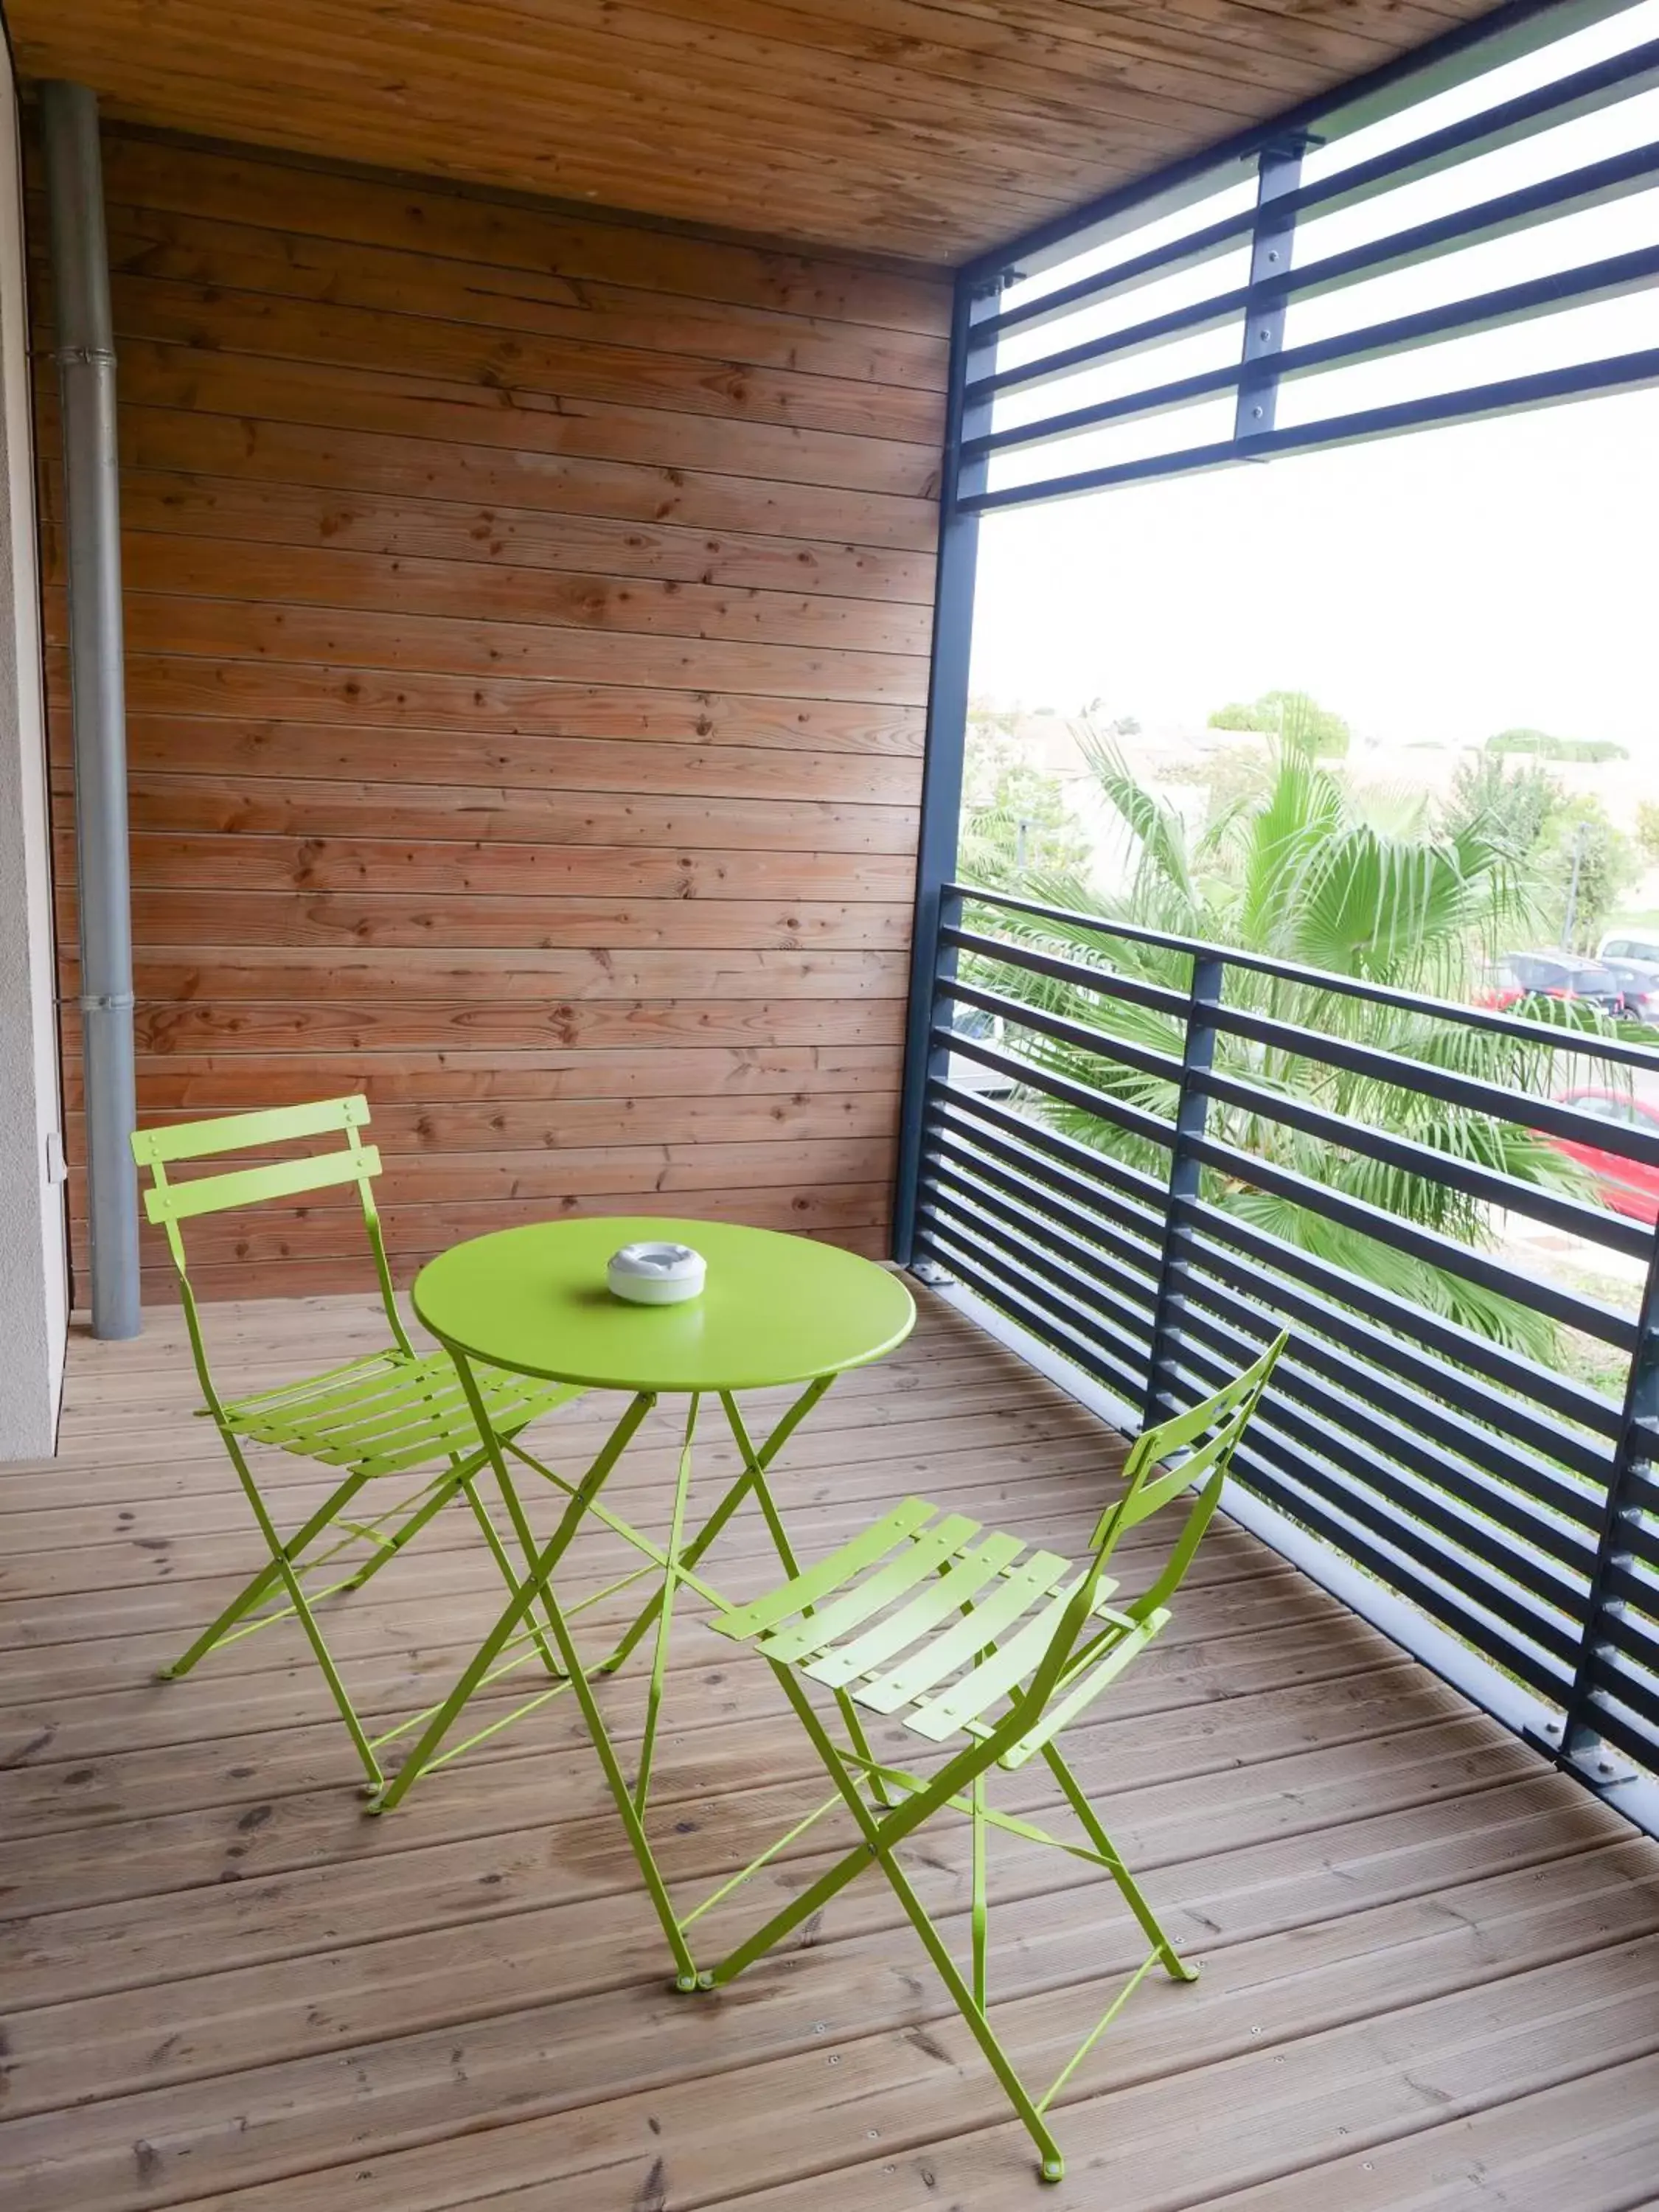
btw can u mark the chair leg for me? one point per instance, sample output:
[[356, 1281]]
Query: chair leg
[[755, 1463], [980, 1911], [879, 1836], [665, 1612], [259, 1588], [438, 1495], [628, 1805], [1175, 1965], [527, 1545], [283, 1558]]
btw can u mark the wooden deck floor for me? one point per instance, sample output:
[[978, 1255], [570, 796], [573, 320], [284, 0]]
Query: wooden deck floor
[[1431, 1966]]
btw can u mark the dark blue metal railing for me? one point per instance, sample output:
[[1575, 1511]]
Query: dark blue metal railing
[[1510, 1501]]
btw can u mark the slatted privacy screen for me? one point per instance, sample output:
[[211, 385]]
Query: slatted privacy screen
[[1484, 237], [1106, 1159]]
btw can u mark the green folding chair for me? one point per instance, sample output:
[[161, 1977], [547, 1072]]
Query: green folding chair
[[376, 1417], [930, 1619]]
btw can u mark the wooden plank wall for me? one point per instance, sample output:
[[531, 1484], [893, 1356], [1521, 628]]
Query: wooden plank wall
[[527, 621]]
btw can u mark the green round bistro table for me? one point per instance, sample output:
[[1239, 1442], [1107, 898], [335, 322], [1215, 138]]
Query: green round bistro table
[[775, 1311]]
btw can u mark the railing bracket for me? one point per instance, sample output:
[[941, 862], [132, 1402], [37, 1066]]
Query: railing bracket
[[1595, 1765]]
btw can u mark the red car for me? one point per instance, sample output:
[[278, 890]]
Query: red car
[[1627, 1187]]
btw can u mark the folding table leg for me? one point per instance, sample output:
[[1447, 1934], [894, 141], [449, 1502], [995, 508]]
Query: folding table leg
[[685, 1970], [666, 1612], [535, 1588], [755, 1464]]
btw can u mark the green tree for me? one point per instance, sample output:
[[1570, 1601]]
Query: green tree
[[1586, 864], [1647, 828], [1294, 717], [1300, 874], [1556, 837], [1016, 821], [1510, 805]]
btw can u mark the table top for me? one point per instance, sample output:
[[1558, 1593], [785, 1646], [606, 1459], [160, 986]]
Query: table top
[[775, 1309]]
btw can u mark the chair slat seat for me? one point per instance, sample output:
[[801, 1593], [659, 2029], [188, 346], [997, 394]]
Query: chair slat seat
[[927, 1551], [843, 1619], [1038, 1575], [823, 1580], [387, 1413], [981, 1564], [1132, 1639]]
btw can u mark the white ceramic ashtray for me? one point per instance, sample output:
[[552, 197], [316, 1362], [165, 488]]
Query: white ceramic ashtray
[[656, 1274]]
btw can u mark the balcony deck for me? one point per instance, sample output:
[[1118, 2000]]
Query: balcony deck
[[1431, 1966]]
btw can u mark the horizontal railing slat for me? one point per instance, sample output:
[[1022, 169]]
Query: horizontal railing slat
[[1397, 1513], [1595, 1044], [967, 1260], [1625, 1688], [1093, 1177], [1541, 107], [1272, 1475], [1629, 170], [1590, 282], [1444, 1085], [1152, 998], [1387, 1417], [1462, 1351], [1425, 1244], [1130, 1119], [1083, 1036], [1595, 1224], [1047, 1214], [985, 1219]]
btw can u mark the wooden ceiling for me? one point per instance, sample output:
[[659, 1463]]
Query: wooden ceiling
[[929, 129]]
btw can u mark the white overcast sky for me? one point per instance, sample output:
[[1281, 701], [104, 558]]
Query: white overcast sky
[[1439, 586]]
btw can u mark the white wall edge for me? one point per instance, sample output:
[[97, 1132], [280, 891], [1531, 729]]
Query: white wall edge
[[33, 1270]]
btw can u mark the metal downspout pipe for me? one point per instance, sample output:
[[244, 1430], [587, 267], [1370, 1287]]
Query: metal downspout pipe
[[85, 354]]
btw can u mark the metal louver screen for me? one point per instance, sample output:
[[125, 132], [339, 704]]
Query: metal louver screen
[[1449, 250]]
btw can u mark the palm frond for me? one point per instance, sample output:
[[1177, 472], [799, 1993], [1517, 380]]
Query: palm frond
[[1157, 830]]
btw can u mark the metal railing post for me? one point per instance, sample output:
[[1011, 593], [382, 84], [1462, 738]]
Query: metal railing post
[[1271, 241], [1192, 1116], [946, 739], [1575, 1741]]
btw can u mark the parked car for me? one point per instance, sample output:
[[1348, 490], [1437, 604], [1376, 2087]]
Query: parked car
[[1635, 962], [1628, 1187], [1553, 975]]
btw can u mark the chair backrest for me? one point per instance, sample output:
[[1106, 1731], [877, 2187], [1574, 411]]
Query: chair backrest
[[170, 1204], [1202, 1442]]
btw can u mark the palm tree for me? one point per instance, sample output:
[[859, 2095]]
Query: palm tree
[[1306, 874]]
